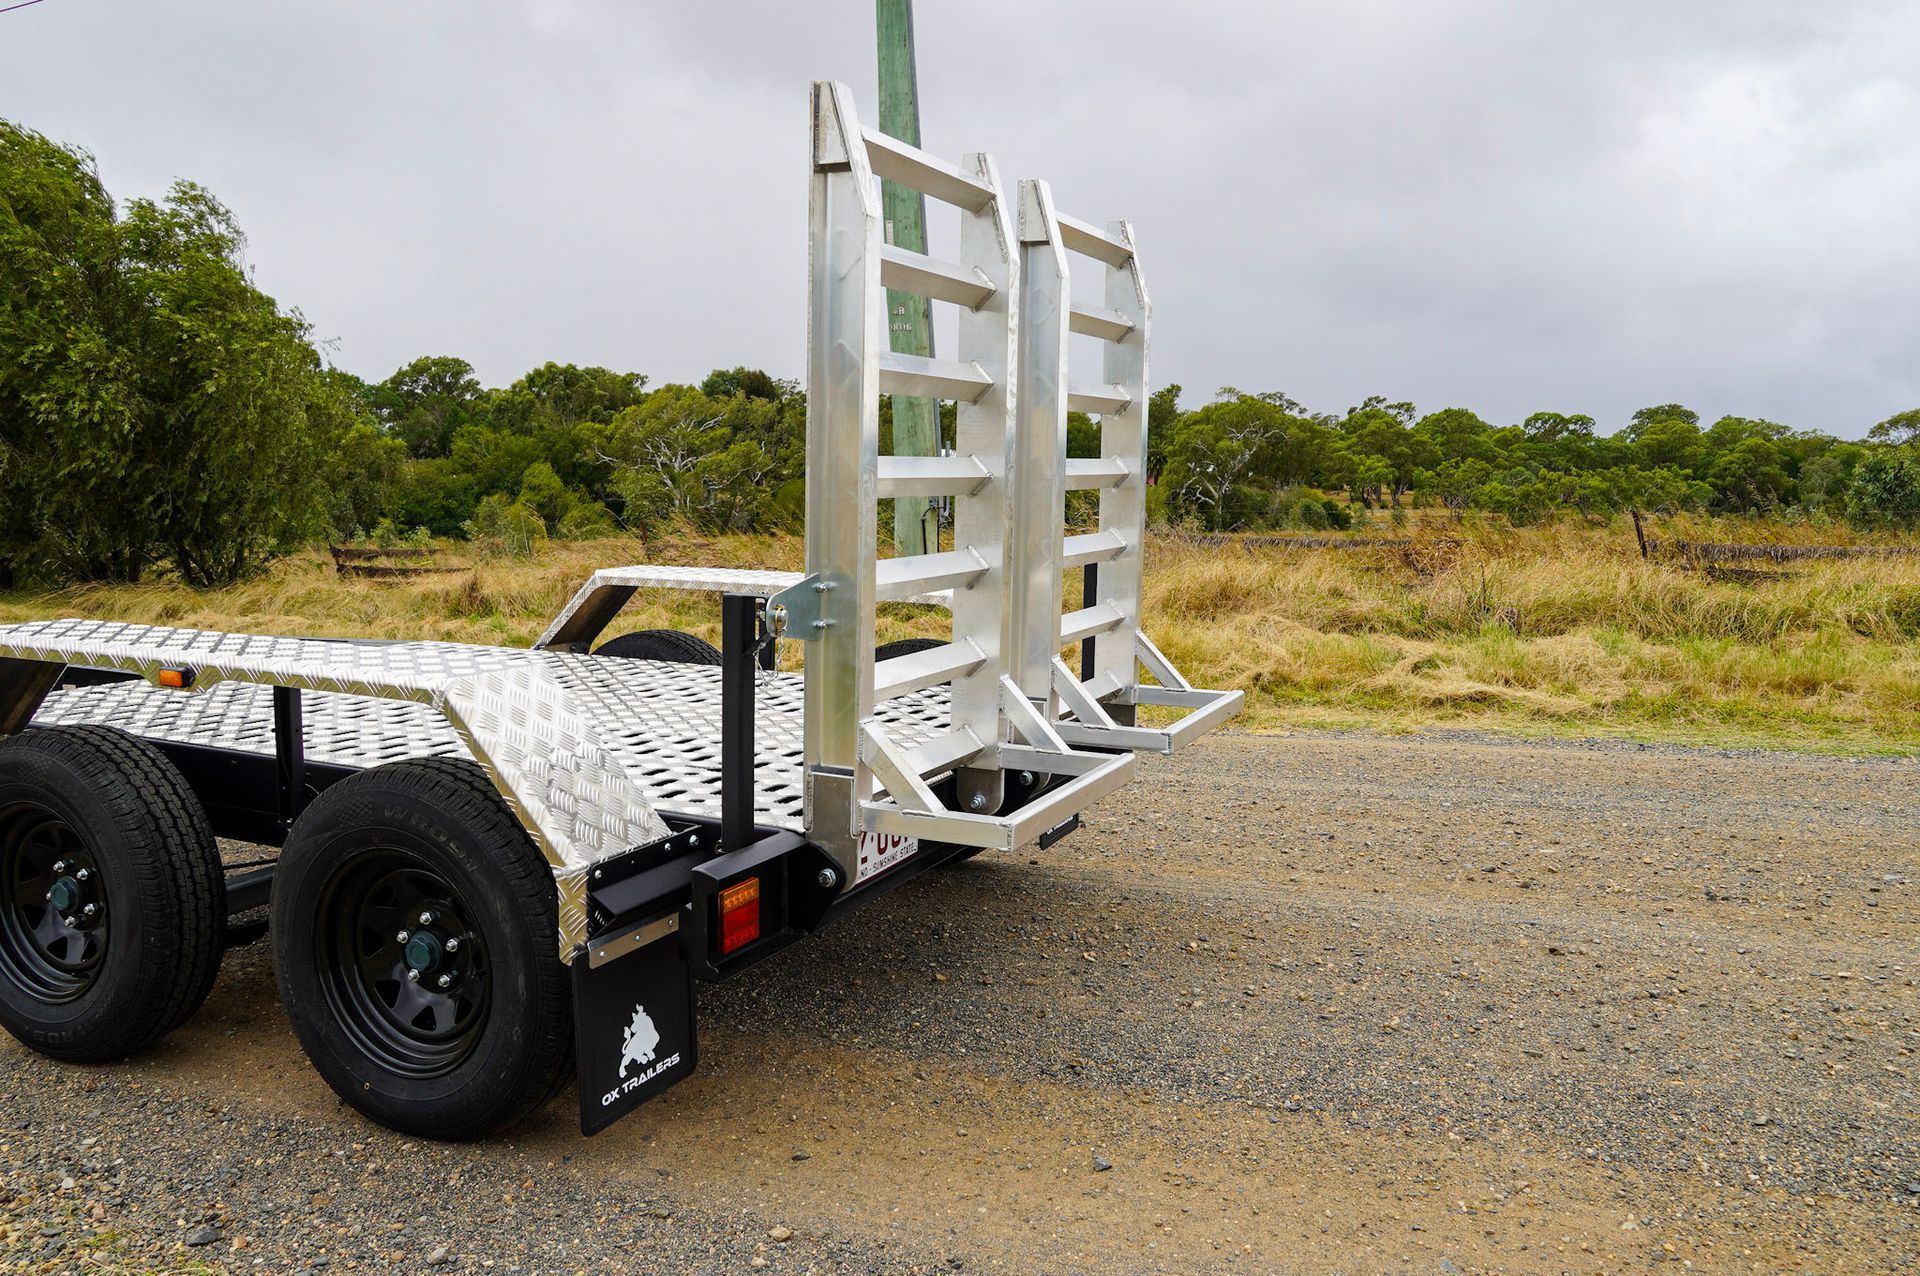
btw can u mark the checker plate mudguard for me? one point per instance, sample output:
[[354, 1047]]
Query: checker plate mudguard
[[633, 1028]]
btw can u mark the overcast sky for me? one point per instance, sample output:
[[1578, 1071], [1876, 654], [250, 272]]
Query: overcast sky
[[1507, 205]]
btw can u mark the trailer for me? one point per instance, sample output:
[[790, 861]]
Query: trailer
[[501, 868]]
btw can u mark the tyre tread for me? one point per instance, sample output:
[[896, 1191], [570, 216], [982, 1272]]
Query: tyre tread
[[463, 790], [175, 860]]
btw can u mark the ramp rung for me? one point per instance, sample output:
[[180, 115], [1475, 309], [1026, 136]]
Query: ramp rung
[[922, 669], [931, 476], [944, 752], [914, 272], [1098, 321], [1092, 547], [923, 378], [1094, 400], [898, 578], [1084, 474], [1089, 621], [1079, 237], [928, 174]]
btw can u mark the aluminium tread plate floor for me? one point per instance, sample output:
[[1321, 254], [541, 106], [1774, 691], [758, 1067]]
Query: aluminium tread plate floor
[[661, 720]]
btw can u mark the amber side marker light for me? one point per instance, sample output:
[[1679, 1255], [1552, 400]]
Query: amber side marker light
[[739, 915], [175, 676]]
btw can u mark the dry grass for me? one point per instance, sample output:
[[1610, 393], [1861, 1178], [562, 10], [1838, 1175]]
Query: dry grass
[[1561, 629]]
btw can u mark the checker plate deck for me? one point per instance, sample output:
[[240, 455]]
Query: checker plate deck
[[660, 721]]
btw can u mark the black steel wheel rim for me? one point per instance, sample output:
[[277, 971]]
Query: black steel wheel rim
[[404, 970], [54, 923]]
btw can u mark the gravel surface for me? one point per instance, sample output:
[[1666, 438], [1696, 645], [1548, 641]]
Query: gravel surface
[[1303, 1003]]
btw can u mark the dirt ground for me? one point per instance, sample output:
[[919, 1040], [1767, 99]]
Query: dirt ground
[[1292, 1004]]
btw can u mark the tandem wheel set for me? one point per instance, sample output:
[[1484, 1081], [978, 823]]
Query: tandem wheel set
[[499, 868]]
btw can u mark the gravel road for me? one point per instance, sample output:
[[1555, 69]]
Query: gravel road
[[1301, 1003]]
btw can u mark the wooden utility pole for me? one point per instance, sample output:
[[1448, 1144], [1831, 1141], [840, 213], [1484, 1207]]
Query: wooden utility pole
[[916, 422]]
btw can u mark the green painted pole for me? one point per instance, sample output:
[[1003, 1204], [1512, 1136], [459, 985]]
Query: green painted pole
[[916, 422]]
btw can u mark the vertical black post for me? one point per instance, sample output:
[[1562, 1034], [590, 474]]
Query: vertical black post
[[1089, 596], [289, 753], [739, 635]]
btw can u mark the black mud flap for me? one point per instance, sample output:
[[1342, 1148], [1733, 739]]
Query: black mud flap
[[632, 1017]]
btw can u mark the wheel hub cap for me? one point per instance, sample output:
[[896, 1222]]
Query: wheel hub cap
[[423, 952], [65, 895]]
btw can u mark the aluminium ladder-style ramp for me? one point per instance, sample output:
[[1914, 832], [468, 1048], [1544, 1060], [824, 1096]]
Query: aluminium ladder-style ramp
[[1007, 477]]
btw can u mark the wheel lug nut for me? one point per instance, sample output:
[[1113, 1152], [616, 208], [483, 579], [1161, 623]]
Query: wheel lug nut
[[426, 919], [83, 875], [403, 936], [453, 944], [71, 922], [445, 981], [413, 976], [90, 910], [59, 866]]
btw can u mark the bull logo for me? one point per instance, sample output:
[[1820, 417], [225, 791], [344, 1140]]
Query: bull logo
[[639, 1039]]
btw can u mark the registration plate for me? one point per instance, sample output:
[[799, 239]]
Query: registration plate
[[881, 851]]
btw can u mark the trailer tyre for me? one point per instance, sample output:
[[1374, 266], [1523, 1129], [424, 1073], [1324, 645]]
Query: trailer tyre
[[662, 644], [413, 934], [112, 903], [905, 647]]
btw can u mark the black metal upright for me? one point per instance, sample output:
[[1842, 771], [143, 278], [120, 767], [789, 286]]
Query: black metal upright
[[289, 753], [739, 643]]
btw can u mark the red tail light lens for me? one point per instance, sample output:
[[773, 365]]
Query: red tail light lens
[[739, 915]]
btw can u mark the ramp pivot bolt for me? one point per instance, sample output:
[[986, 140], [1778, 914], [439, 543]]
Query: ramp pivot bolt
[[978, 802], [828, 879]]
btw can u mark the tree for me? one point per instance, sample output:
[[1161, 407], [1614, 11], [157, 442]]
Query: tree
[[1661, 412], [1749, 476], [1163, 410], [154, 404], [1886, 491], [1901, 427], [724, 383], [426, 402], [1670, 441]]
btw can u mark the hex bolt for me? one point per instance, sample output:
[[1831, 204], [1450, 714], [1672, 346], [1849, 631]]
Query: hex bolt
[[413, 976], [445, 981], [978, 802], [828, 879], [1026, 777]]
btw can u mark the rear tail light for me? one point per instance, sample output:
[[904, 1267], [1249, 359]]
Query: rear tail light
[[739, 915]]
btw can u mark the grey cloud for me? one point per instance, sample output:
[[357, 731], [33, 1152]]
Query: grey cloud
[[1494, 203]]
